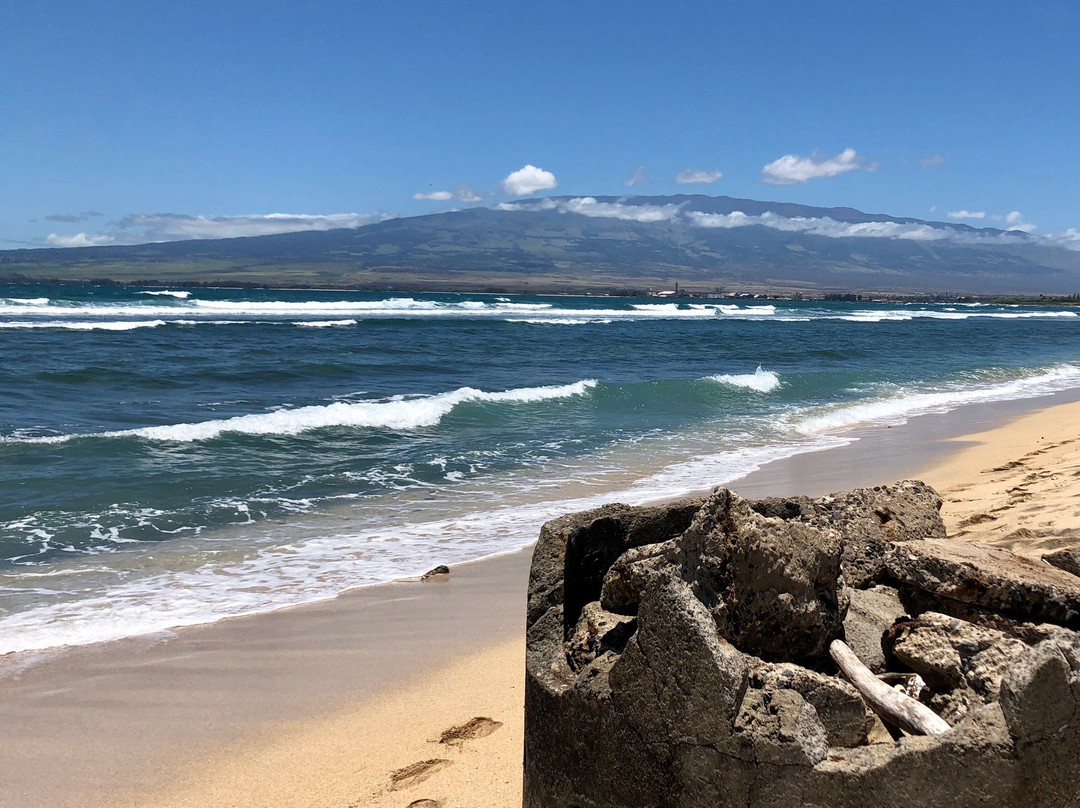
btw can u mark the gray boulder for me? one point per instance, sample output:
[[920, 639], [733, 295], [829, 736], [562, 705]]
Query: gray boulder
[[871, 613], [675, 659], [987, 577], [868, 520], [772, 585], [1067, 560]]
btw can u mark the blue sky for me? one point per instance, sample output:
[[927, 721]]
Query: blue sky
[[137, 120]]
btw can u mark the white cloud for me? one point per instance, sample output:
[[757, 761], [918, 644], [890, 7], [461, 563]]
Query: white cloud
[[822, 226], [813, 225], [1070, 239], [967, 214], [590, 206], [463, 193], [793, 168], [1015, 221], [697, 176], [931, 161], [144, 228], [79, 240], [639, 177], [435, 196], [528, 180]]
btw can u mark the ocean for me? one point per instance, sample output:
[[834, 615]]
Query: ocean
[[173, 457]]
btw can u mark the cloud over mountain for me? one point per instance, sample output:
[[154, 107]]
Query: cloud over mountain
[[528, 180], [462, 193], [143, 228]]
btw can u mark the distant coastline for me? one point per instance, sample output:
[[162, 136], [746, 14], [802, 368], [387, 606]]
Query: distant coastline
[[484, 286], [599, 245]]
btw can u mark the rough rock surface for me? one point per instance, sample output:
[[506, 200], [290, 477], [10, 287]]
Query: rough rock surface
[[675, 658], [987, 577], [868, 519], [962, 663], [1067, 560], [871, 613]]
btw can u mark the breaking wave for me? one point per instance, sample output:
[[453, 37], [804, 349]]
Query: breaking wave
[[763, 381], [397, 413]]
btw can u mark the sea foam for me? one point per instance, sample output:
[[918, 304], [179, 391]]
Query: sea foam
[[76, 325], [396, 413], [899, 407], [763, 381], [181, 295]]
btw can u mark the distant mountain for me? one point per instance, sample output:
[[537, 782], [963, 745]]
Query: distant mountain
[[599, 242]]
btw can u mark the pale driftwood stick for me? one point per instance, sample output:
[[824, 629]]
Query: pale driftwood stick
[[892, 705]]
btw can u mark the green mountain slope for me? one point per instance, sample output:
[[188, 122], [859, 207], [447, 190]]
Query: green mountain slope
[[603, 241]]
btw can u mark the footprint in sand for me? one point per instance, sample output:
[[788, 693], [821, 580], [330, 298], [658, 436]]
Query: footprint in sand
[[425, 804], [977, 519], [1012, 464], [479, 727], [416, 773]]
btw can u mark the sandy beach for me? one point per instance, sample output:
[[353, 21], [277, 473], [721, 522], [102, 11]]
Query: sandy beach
[[410, 694]]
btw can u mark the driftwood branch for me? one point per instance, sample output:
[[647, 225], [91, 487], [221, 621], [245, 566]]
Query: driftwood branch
[[893, 706]]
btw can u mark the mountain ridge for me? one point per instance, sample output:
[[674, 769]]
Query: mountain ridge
[[603, 241]]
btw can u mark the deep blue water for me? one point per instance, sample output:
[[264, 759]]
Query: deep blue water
[[174, 458]]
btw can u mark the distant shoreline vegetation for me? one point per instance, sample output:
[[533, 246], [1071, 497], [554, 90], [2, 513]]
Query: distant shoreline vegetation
[[690, 292]]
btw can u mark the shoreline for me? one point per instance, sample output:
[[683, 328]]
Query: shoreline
[[484, 287], [152, 717]]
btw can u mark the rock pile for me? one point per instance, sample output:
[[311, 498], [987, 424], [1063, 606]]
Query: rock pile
[[678, 656]]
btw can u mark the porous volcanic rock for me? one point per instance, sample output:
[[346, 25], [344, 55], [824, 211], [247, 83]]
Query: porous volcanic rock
[[1067, 560], [676, 658], [871, 613]]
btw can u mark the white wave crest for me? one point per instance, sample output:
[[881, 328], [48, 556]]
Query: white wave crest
[[398, 413], [25, 301], [181, 295], [561, 320], [75, 325], [899, 408], [326, 323], [326, 563], [763, 381]]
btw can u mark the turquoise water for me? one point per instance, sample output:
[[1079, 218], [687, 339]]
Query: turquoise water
[[169, 457]]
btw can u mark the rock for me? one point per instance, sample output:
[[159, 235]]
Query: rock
[[677, 681], [844, 716], [1039, 694], [597, 632], [575, 551], [772, 585], [963, 664], [673, 659], [871, 613], [987, 577], [782, 727], [440, 571], [628, 576], [1067, 560], [868, 519]]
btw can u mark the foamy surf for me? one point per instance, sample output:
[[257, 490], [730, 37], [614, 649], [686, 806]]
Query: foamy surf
[[761, 381], [396, 413], [75, 325], [136, 528], [322, 566], [903, 405], [326, 323], [179, 295]]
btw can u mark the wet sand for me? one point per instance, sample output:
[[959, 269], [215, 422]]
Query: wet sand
[[343, 703]]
